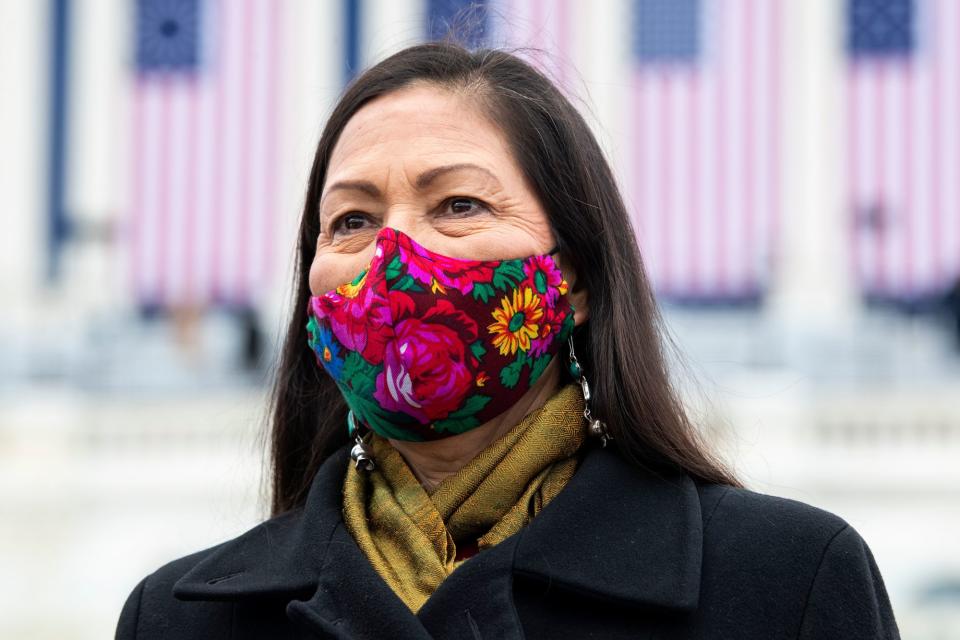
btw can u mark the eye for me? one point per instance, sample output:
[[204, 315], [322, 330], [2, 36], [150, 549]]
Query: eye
[[351, 221], [464, 206]]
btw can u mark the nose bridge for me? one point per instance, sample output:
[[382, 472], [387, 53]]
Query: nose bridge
[[407, 208], [410, 218]]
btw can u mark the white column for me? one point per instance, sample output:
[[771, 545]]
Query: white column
[[387, 26], [603, 60], [813, 291], [24, 79], [100, 70]]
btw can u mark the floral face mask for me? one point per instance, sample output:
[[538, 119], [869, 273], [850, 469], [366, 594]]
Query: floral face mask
[[425, 346]]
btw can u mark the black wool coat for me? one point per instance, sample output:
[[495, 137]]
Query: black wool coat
[[619, 553]]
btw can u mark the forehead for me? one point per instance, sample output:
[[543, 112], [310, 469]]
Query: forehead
[[419, 127]]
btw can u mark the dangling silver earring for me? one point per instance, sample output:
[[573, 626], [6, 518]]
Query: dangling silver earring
[[360, 453], [598, 428]]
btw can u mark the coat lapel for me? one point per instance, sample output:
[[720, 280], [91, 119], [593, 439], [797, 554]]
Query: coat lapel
[[619, 533], [307, 557], [352, 601], [615, 532], [476, 600]]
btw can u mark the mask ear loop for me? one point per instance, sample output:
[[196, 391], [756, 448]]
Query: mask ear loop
[[598, 428], [360, 453]]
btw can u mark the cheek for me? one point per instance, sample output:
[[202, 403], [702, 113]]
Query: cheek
[[315, 279], [327, 272]]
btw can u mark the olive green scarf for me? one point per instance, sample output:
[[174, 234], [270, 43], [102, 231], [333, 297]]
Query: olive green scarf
[[410, 536]]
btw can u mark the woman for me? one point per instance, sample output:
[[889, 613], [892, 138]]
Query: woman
[[474, 435]]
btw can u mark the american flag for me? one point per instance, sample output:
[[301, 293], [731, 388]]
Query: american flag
[[705, 134], [903, 159], [203, 179]]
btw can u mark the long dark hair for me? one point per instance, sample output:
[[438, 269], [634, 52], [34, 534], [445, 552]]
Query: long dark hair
[[620, 346]]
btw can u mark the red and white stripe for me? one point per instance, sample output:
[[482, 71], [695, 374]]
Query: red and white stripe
[[705, 168], [544, 25], [203, 165], [903, 155]]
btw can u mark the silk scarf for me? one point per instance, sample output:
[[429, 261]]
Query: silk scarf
[[411, 536]]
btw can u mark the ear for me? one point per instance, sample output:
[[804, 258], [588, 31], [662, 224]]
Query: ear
[[577, 293]]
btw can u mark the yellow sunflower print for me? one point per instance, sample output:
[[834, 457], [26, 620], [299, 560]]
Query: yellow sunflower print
[[516, 321]]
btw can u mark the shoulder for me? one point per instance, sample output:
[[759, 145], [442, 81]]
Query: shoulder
[[742, 513], [197, 595], [155, 608], [806, 563], [151, 611], [777, 534]]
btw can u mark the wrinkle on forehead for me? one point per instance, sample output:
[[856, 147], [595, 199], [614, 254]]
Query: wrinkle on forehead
[[419, 127]]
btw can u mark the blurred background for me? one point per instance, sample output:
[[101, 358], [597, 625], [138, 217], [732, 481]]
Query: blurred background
[[793, 172]]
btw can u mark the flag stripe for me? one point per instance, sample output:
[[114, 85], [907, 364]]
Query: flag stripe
[[722, 177], [934, 153], [172, 257], [950, 206], [853, 171], [774, 209], [695, 204], [189, 207], [245, 170], [545, 25], [228, 202], [271, 186], [664, 160], [881, 175]]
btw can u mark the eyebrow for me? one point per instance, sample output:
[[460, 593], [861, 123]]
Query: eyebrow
[[422, 182]]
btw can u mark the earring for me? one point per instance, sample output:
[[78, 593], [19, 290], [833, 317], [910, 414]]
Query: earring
[[360, 453], [598, 428]]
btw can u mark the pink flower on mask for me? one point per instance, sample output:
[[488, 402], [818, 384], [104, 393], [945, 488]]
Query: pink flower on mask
[[544, 277], [433, 269], [359, 316], [428, 367], [550, 326]]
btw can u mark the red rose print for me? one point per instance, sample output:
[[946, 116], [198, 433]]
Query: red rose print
[[427, 367]]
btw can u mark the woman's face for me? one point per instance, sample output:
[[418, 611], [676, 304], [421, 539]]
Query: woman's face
[[426, 162]]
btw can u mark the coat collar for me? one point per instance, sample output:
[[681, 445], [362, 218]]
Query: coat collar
[[615, 532]]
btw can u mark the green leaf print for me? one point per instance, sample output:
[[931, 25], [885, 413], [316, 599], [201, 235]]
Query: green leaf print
[[359, 382], [540, 282], [359, 277], [567, 326], [455, 425], [463, 418], [362, 375], [510, 374], [387, 423], [473, 405], [478, 349], [394, 268], [406, 283], [538, 367], [482, 291], [508, 274]]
